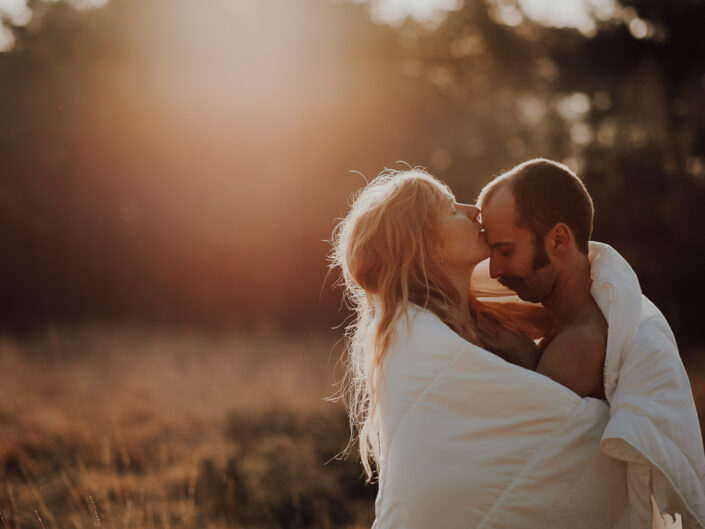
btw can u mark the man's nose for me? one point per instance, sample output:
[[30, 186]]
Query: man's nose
[[496, 269]]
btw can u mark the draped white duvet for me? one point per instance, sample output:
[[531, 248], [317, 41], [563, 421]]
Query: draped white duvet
[[653, 424], [470, 441]]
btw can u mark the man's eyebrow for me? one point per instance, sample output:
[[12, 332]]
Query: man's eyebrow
[[498, 244]]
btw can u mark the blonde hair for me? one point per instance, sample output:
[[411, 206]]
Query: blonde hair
[[385, 248]]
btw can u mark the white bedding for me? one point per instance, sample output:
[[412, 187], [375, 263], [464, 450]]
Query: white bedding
[[470, 441], [653, 422]]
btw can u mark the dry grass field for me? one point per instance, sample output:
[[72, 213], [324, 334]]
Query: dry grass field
[[114, 428], [119, 427]]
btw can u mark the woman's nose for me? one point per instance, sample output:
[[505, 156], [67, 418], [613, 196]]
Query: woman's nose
[[473, 212]]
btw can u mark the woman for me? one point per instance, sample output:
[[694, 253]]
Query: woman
[[458, 436]]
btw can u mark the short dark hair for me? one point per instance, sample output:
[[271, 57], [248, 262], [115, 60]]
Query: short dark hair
[[546, 193]]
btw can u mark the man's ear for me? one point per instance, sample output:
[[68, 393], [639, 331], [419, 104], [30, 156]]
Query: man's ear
[[558, 239]]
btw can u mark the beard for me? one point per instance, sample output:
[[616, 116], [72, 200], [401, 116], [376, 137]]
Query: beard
[[541, 258], [528, 288], [514, 283], [524, 286]]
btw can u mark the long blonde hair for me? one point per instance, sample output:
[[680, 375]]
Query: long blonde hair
[[385, 248]]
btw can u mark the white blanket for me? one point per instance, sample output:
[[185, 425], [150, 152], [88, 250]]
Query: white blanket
[[470, 441], [653, 425]]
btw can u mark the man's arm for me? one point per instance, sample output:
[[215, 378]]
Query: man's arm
[[575, 358]]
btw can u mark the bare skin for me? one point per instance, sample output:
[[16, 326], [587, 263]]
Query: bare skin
[[525, 351], [573, 353], [459, 225]]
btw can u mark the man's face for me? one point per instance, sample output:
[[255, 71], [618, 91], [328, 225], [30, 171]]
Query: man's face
[[517, 260]]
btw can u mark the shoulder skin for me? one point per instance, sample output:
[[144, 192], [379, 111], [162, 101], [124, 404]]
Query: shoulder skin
[[575, 358]]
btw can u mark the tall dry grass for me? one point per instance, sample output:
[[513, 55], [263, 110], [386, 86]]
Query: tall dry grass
[[112, 428], [116, 427]]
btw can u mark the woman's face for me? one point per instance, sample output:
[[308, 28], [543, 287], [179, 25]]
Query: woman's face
[[463, 243]]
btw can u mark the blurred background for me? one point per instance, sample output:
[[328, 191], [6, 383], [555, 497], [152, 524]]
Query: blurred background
[[170, 172]]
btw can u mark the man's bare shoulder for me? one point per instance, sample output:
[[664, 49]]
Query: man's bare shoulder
[[585, 337], [575, 358]]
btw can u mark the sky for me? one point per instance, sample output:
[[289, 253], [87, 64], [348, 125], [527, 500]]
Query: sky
[[579, 14], [17, 13]]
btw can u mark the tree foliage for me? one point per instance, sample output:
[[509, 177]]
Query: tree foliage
[[625, 107], [165, 159]]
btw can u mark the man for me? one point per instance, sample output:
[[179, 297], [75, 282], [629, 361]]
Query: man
[[538, 220], [609, 341]]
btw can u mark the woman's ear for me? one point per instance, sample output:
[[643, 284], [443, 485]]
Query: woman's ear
[[559, 239]]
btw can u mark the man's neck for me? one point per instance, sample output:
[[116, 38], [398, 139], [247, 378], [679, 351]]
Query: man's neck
[[571, 296]]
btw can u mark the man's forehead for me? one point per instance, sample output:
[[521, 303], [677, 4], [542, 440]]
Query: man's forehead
[[499, 218], [500, 210]]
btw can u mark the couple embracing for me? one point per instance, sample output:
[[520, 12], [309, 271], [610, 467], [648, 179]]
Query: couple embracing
[[544, 391]]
